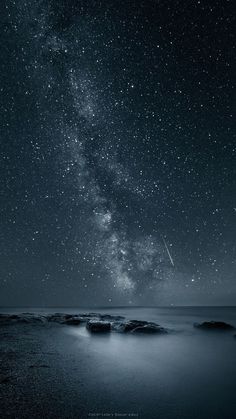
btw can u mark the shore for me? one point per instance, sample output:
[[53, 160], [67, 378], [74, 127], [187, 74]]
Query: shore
[[58, 371]]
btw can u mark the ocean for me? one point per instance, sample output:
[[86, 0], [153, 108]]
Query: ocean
[[187, 373]]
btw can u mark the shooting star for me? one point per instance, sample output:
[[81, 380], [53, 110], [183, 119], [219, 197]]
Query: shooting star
[[168, 252]]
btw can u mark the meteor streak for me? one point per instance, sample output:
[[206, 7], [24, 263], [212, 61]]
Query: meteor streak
[[168, 252]]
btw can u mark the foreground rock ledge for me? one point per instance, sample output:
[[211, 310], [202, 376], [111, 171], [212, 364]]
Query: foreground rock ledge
[[95, 322]]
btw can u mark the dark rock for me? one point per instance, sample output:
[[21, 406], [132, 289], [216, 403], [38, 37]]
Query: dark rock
[[21, 318], [133, 324], [68, 316], [84, 318], [138, 326], [95, 322], [214, 325], [57, 317], [149, 329], [97, 326], [73, 321], [108, 317], [70, 319], [4, 318], [90, 315], [14, 317], [31, 318]]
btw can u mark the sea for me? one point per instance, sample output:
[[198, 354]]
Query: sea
[[187, 373]]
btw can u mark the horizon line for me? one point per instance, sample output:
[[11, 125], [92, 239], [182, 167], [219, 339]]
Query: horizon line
[[119, 306]]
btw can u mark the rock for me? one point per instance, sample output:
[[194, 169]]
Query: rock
[[97, 326], [62, 318], [31, 318], [73, 321], [57, 317], [108, 317], [138, 326], [69, 316], [90, 315], [4, 318], [95, 322], [21, 318], [149, 329], [133, 324], [214, 325], [84, 318], [14, 317]]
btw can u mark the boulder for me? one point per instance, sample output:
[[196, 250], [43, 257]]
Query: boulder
[[138, 326], [97, 326], [214, 325], [149, 329], [133, 324]]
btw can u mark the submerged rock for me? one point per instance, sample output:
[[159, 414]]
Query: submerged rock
[[214, 325], [97, 326]]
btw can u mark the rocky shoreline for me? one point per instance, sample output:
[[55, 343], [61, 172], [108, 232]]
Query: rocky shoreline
[[65, 365], [94, 322], [103, 323]]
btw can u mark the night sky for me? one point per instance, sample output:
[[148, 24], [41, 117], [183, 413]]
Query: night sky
[[118, 150]]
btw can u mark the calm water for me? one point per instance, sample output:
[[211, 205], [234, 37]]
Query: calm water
[[186, 374]]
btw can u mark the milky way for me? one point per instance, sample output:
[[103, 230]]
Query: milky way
[[118, 153]]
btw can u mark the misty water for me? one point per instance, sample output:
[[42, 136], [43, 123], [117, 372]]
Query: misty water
[[187, 373]]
